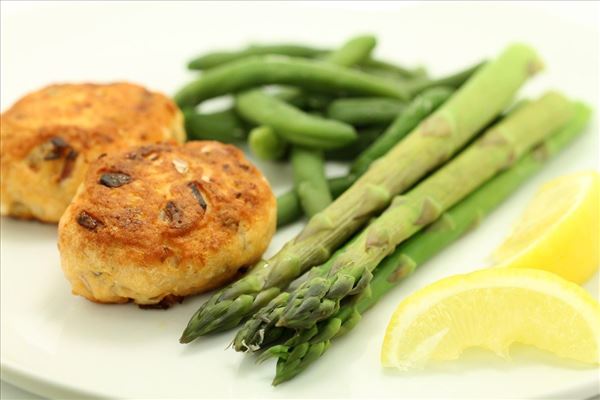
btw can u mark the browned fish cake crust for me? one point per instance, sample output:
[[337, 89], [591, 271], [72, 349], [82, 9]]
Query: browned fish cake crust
[[49, 137], [165, 220]]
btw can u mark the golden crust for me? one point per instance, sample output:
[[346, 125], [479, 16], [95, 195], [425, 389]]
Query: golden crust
[[49, 137], [165, 220]]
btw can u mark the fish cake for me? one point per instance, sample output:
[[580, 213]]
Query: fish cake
[[49, 137], [165, 221]]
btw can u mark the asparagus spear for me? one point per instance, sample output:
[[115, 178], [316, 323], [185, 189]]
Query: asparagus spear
[[420, 248], [473, 106], [352, 269]]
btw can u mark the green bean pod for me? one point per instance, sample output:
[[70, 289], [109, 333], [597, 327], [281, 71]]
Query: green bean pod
[[224, 126], [352, 150], [312, 75], [288, 208], [266, 144], [292, 124], [365, 111], [309, 179], [214, 59], [454, 80], [391, 70], [353, 51]]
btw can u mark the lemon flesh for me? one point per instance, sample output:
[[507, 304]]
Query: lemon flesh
[[559, 230], [493, 309]]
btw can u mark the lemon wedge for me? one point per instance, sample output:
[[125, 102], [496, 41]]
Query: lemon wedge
[[493, 309], [559, 230]]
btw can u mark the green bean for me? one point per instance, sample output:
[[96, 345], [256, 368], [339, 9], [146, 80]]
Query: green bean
[[384, 68], [217, 58], [351, 151], [353, 51], [309, 165], [292, 124], [309, 179], [454, 80], [312, 75], [371, 65], [223, 126], [304, 100], [266, 144], [338, 185], [288, 208], [363, 111]]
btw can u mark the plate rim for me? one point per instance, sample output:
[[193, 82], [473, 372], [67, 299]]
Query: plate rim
[[42, 386]]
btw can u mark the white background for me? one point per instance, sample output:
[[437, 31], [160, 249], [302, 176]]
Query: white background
[[149, 43]]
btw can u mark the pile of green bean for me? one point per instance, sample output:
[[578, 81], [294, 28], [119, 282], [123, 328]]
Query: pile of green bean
[[308, 105]]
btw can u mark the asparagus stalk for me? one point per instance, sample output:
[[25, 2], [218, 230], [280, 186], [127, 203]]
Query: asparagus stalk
[[435, 140], [351, 271], [309, 179], [420, 248]]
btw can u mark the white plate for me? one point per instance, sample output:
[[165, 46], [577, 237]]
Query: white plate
[[58, 345]]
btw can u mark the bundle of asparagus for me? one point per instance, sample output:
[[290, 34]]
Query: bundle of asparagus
[[319, 284], [349, 271], [299, 349]]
